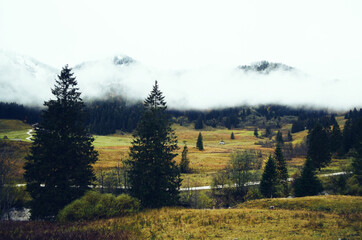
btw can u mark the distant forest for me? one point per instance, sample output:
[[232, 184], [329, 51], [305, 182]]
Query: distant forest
[[108, 116]]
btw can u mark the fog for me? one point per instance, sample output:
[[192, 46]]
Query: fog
[[27, 81]]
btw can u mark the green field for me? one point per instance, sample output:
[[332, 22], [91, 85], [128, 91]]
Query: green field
[[204, 164], [14, 129]]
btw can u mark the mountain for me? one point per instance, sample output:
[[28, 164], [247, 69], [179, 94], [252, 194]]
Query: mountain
[[117, 60], [24, 79], [265, 67]]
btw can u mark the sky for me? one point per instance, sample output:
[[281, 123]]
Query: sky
[[321, 38]]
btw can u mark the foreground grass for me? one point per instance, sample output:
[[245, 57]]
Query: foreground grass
[[50, 230], [338, 204], [293, 219]]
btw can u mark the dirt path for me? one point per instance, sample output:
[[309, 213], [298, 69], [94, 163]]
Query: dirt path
[[30, 135]]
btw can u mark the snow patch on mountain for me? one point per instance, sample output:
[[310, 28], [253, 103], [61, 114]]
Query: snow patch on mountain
[[24, 79], [265, 67]]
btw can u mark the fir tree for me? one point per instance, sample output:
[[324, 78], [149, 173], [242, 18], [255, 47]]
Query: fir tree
[[269, 179], [185, 162], [290, 137], [199, 143], [348, 136], [153, 175], [256, 134], [336, 138], [268, 131], [232, 135], [58, 169], [281, 167], [199, 123], [319, 146], [279, 138], [308, 184]]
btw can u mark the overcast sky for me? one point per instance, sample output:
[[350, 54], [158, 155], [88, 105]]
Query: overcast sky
[[186, 34], [321, 38]]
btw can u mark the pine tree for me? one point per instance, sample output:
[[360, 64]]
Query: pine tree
[[268, 131], [232, 135], [58, 169], [185, 162], [319, 146], [199, 143], [308, 184], [279, 138], [281, 167], [348, 136], [153, 175], [199, 123], [290, 137], [269, 179], [256, 134], [336, 138]]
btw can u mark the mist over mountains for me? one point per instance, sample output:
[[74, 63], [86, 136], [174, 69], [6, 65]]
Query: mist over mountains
[[27, 81]]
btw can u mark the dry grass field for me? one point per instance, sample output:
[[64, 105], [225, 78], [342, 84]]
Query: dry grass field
[[341, 220], [113, 148], [204, 164]]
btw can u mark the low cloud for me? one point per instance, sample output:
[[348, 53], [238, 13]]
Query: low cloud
[[26, 82]]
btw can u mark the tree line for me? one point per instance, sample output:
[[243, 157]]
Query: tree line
[[106, 116]]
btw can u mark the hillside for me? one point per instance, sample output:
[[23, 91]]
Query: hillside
[[14, 130]]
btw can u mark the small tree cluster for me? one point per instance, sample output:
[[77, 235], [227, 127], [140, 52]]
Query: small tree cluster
[[229, 185], [275, 175]]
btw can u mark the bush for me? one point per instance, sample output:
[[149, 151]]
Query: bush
[[196, 199], [94, 205], [253, 194], [353, 187]]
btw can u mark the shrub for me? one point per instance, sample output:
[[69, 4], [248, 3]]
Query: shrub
[[196, 199], [94, 205]]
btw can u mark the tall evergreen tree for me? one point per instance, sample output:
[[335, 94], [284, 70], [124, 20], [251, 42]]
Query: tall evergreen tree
[[268, 131], [290, 137], [185, 162], [279, 138], [199, 143], [269, 179], [58, 168], [153, 175], [336, 138], [308, 184], [319, 146], [199, 123], [348, 136], [281, 167]]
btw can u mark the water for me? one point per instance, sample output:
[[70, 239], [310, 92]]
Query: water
[[20, 214]]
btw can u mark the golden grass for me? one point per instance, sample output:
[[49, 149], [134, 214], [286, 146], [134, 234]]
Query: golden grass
[[13, 125], [113, 148], [340, 204], [243, 223]]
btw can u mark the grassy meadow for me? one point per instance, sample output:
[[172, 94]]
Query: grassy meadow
[[320, 217], [301, 218], [204, 164]]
